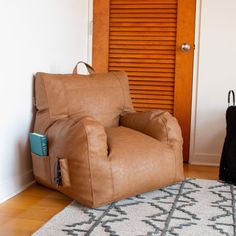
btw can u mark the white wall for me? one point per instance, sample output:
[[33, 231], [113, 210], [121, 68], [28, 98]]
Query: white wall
[[51, 35], [45, 35], [215, 74]]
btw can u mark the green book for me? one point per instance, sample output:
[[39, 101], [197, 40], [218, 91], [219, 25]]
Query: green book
[[38, 144]]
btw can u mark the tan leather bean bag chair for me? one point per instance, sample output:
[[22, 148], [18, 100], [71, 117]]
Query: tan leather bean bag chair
[[105, 150]]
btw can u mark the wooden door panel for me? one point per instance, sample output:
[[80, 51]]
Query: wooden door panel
[[143, 38], [157, 45]]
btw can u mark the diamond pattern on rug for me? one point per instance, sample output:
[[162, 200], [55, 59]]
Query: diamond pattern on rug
[[192, 207]]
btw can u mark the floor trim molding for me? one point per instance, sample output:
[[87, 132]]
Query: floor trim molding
[[205, 159], [15, 185]]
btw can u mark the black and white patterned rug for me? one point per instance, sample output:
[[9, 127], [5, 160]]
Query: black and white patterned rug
[[192, 207]]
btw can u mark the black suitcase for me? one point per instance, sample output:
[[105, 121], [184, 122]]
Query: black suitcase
[[228, 157]]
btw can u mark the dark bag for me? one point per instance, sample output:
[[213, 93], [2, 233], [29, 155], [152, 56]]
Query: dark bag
[[228, 158]]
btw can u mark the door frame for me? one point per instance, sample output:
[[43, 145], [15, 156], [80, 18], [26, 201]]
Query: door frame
[[192, 152], [90, 32]]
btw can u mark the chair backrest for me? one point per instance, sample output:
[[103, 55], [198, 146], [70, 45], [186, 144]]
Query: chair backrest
[[102, 96]]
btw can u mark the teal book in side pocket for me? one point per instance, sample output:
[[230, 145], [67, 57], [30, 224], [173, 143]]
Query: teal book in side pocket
[[38, 144]]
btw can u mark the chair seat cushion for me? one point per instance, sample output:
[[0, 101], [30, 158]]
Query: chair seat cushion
[[139, 162]]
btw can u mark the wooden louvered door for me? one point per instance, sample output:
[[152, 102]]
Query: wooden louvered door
[[144, 38]]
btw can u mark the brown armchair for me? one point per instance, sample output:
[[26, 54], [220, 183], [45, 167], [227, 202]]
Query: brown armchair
[[106, 151]]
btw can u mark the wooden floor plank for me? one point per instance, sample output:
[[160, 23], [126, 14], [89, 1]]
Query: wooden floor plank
[[26, 212]]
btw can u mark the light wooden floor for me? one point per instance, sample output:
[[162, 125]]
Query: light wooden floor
[[25, 213]]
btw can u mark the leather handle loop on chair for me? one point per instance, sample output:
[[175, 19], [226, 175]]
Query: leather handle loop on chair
[[229, 96], [88, 67]]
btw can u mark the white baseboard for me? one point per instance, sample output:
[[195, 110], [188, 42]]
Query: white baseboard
[[12, 186], [205, 159]]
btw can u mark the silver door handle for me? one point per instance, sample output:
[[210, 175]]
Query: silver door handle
[[185, 47]]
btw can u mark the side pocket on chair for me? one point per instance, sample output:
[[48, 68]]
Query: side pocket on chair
[[65, 172], [62, 177], [41, 168]]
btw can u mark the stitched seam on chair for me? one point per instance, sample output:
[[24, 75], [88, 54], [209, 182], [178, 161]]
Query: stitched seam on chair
[[46, 91], [111, 170], [167, 136], [45, 131], [66, 97], [112, 179], [171, 147], [93, 87], [124, 98], [90, 173], [175, 163]]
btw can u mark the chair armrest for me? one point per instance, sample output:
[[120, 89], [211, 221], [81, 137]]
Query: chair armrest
[[75, 138], [158, 124], [81, 146], [162, 126]]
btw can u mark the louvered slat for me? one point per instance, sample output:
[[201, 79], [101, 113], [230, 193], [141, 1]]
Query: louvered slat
[[142, 61], [143, 11], [142, 17], [146, 33], [142, 6], [169, 93], [160, 79], [161, 67], [142, 42]]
